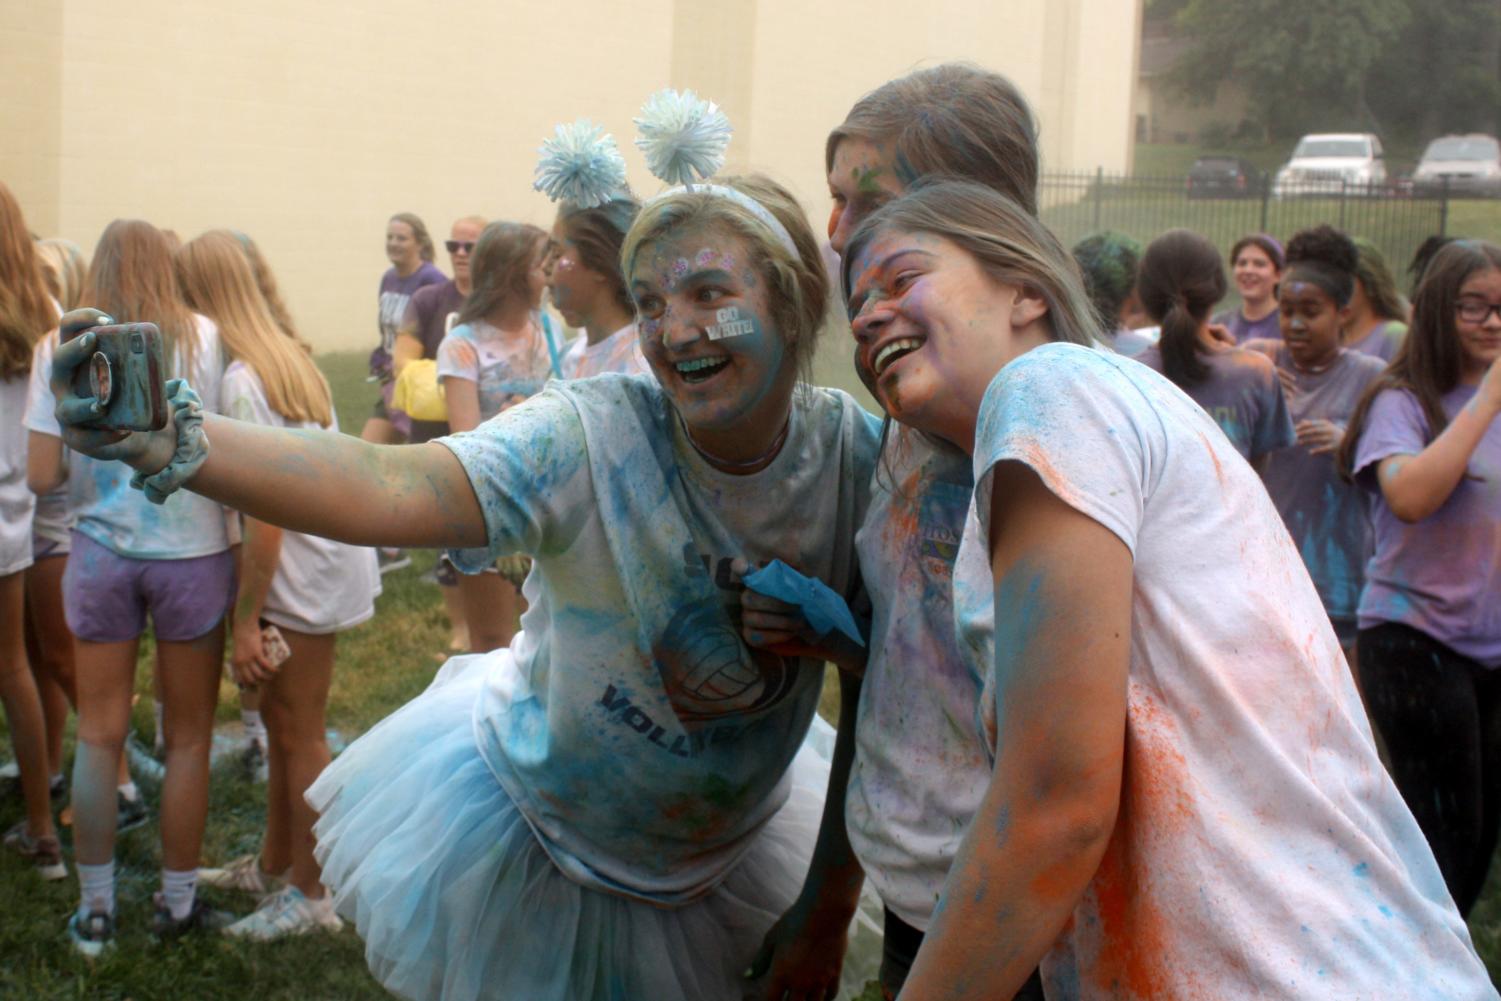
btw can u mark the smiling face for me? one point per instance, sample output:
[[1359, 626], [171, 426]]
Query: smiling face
[[1255, 274], [401, 245], [861, 180], [1311, 322], [1480, 342], [709, 336], [932, 328]]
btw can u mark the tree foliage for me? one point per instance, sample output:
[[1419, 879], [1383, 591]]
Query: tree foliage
[[1409, 68]]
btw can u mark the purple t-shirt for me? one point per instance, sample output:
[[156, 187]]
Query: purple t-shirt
[[428, 314], [1326, 516], [395, 293], [1268, 327], [1442, 575], [1243, 396], [1383, 340]]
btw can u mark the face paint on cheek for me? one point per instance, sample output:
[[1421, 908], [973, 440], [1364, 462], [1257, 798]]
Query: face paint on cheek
[[727, 323]]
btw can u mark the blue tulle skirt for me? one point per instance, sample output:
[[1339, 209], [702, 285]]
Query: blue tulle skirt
[[456, 899]]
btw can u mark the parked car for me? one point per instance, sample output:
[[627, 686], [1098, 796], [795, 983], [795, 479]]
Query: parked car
[[1462, 165], [1332, 163], [1223, 177]]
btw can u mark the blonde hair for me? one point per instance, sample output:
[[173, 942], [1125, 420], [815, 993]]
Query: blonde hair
[[65, 270], [265, 281], [218, 280], [26, 314], [132, 279], [1006, 240], [799, 286]]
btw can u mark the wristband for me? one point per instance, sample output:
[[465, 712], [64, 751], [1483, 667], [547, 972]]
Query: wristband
[[192, 445]]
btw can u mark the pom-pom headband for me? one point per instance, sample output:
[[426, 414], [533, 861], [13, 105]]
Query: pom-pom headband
[[760, 212], [580, 166], [682, 136]]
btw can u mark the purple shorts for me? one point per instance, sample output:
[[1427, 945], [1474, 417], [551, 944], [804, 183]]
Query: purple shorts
[[106, 596]]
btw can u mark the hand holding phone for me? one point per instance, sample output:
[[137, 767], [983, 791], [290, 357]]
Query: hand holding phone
[[124, 375]]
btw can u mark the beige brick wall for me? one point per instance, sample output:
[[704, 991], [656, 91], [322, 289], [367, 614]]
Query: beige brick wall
[[307, 125]]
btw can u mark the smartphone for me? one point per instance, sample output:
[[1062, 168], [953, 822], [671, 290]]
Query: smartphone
[[125, 374], [274, 644]]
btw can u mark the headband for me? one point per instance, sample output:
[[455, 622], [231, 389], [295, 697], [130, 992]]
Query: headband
[[760, 212]]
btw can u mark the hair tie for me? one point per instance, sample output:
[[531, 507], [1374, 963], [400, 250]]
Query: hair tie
[[192, 446]]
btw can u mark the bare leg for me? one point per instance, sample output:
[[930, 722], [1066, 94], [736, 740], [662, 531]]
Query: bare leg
[[490, 608], [276, 845], [49, 648], [189, 674], [23, 709], [458, 628], [106, 672], [294, 703]]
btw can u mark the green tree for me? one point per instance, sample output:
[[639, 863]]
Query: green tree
[[1305, 63], [1443, 74]]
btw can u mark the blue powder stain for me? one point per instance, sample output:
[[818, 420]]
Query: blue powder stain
[[1385, 910], [1363, 871]]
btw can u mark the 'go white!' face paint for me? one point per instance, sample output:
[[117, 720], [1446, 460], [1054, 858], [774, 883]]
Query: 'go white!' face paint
[[727, 323]]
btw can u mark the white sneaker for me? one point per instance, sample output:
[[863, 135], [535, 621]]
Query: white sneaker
[[287, 913], [244, 874]]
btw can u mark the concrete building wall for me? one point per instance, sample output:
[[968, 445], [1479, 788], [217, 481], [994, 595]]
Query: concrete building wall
[[308, 125]]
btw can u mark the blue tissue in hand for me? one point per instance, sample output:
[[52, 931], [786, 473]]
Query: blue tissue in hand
[[821, 605]]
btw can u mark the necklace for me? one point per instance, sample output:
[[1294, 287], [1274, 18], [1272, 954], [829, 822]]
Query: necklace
[[732, 466]]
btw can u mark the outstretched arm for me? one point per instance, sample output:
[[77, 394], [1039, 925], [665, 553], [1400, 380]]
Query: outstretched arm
[[324, 484], [1415, 486], [1062, 635]]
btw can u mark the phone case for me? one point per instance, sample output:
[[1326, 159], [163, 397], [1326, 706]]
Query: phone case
[[274, 645], [126, 372]]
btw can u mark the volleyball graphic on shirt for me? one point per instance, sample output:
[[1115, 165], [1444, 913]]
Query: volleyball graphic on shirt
[[708, 672]]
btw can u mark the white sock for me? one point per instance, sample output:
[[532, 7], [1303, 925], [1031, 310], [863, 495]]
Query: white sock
[[129, 790], [96, 884], [255, 729], [178, 890]]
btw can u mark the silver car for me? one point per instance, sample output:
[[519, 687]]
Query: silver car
[[1464, 165], [1331, 164]]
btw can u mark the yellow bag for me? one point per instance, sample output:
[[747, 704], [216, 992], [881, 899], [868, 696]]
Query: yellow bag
[[417, 392]]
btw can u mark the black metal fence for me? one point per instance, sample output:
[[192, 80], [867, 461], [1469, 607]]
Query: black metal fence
[[1392, 216]]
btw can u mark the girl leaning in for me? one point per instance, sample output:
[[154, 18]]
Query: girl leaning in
[[1256, 263], [499, 353], [1180, 280], [920, 768], [305, 588], [1186, 799], [1425, 444], [27, 313], [610, 807], [131, 558], [1325, 514]]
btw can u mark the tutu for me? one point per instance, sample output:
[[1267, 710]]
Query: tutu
[[456, 899]]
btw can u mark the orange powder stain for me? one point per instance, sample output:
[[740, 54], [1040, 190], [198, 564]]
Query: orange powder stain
[[1219, 471], [1136, 958]]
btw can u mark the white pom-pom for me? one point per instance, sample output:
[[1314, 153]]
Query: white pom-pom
[[682, 136], [580, 165]]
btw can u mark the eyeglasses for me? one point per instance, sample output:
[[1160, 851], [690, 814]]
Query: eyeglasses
[[454, 246], [1477, 310]]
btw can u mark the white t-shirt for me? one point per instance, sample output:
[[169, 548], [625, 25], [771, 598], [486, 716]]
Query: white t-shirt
[[106, 508], [505, 366], [1260, 845], [17, 502], [320, 586], [921, 766], [644, 742], [620, 352]]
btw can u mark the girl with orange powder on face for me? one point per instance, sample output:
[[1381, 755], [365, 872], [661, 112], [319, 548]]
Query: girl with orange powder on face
[[1186, 800], [919, 767]]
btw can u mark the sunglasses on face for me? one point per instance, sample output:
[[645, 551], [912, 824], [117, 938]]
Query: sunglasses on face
[[457, 246]]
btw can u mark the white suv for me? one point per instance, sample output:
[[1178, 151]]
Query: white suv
[[1332, 163]]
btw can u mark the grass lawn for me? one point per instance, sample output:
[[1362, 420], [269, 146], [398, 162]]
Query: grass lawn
[[381, 665]]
